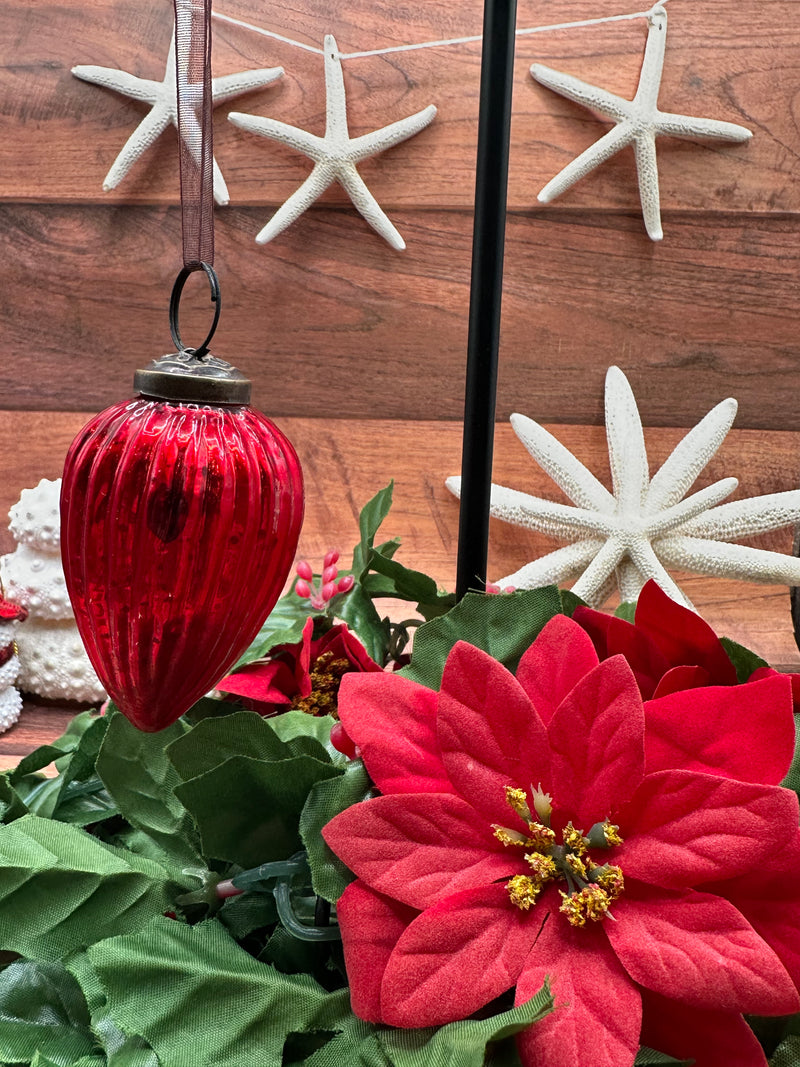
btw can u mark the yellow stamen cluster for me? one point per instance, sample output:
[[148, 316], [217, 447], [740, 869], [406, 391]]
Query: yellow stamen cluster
[[574, 840], [517, 799], [592, 888], [523, 891], [590, 902], [326, 676], [544, 867]]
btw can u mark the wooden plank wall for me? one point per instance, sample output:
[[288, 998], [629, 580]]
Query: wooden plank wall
[[359, 348]]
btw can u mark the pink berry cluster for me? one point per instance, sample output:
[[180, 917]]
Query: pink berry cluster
[[492, 587], [321, 593]]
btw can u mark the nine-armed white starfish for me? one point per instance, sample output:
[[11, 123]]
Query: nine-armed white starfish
[[335, 155], [638, 122], [163, 98], [645, 525]]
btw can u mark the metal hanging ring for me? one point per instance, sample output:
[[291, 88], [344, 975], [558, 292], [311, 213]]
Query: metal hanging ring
[[174, 304]]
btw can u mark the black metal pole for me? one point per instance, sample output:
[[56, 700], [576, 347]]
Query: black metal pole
[[486, 290]]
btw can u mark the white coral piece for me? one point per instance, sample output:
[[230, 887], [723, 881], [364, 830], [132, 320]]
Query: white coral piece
[[10, 707], [644, 525], [52, 661]]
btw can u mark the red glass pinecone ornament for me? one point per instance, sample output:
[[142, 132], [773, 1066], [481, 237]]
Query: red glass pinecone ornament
[[180, 514]]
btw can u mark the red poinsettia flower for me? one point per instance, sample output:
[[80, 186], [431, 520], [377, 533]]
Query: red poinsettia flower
[[552, 825], [305, 675], [668, 647]]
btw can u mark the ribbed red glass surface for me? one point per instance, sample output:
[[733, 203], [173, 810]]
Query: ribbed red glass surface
[[179, 523]]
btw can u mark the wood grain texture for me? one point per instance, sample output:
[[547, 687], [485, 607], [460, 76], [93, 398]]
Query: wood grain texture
[[725, 60], [345, 326]]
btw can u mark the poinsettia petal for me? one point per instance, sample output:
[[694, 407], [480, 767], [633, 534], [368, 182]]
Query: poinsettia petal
[[699, 949], [302, 664], [613, 636], [679, 678], [456, 957], [597, 1006], [682, 827], [769, 672], [371, 925], [681, 635], [741, 731], [490, 735], [265, 683], [710, 1038], [769, 899], [342, 643], [420, 847], [393, 722], [597, 744], [556, 661]]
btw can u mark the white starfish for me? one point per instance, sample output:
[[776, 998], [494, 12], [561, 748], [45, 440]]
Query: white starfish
[[335, 155], [163, 96], [644, 525], [638, 122]]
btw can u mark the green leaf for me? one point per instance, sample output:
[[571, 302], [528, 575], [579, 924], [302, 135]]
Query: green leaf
[[414, 586], [459, 1044], [291, 726], [360, 614], [42, 1009], [742, 658], [647, 1057], [462, 1044], [209, 708], [626, 611], [139, 776], [12, 806], [212, 741], [215, 1004], [61, 888], [121, 1049], [504, 626], [792, 779], [283, 626], [251, 911], [787, 1054], [329, 876], [247, 810], [372, 515]]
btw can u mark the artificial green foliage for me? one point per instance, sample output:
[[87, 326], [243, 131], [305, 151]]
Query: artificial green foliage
[[42, 1009], [212, 741], [459, 1044], [138, 775], [211, 1004], [329, 876], [787, 1053], [626, 611], [60, 888], [247, 810], [742, 658], [284, 626], [306, 735], [369, 521], [503, 625], [648, 1057], [792, 779]]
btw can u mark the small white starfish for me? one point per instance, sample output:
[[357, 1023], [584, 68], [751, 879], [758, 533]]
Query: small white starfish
[[335, 155], [644, 525], [163, 96], [638, 122]]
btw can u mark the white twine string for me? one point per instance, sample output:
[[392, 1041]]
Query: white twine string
[[438, 44]]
